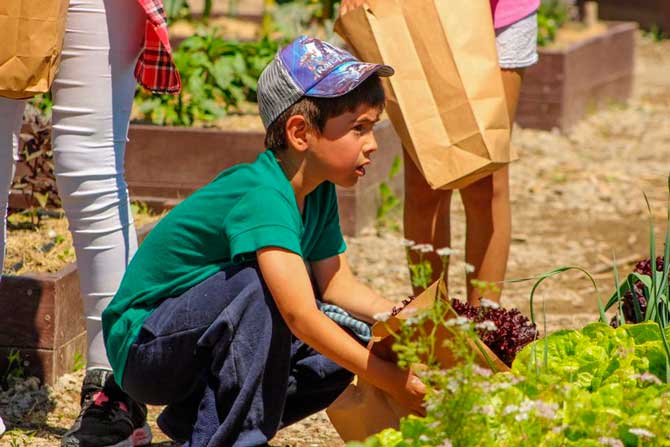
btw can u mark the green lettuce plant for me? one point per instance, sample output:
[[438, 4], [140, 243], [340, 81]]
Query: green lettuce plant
[[218, 75], [600, 386]]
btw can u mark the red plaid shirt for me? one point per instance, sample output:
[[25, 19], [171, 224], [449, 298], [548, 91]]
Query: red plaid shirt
[[155, 69]]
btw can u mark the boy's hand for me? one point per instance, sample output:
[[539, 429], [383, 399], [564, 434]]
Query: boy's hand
[[411, 394], [348, 5]]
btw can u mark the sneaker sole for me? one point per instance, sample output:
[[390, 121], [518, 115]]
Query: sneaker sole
[[140, 437]]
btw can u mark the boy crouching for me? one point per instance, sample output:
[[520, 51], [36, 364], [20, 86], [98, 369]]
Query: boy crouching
[[217, 316]]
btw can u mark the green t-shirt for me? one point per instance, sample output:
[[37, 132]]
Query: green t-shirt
[[245, 208]]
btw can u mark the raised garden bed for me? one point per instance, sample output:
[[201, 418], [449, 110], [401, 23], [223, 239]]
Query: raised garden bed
[[42, 318], [650, 14], [166, 164], [578, 73]]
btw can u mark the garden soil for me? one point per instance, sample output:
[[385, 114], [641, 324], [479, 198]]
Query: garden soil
[[576, 198]]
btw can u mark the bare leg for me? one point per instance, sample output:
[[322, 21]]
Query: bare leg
[[488, 214], [425, 216]]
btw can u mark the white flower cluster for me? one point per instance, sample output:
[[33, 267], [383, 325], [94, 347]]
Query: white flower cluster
[[484, 372], [407, 243], [382, 316], [647, 377], [489, 387], [611, 442], [486, 410], [486, 303], [538, 407], [487, 325], [453, 385], [642, 433], [414, 317], [422, 248], [459, 322], [445, 251]]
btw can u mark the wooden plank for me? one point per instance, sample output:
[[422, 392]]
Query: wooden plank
[[28, 316]]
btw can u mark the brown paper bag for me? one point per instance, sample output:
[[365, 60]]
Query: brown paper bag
[[446, 100], [32, 40], [363, 410]]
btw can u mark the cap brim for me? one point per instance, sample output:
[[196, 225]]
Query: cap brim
[[347, 77]]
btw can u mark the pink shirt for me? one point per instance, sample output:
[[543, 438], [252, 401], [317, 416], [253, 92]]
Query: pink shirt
[[506, 12]]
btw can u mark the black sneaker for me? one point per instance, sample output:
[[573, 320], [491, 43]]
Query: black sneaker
[[108, 417]]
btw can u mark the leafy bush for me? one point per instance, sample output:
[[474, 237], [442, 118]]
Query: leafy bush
[[550, 17], [217, 76], [290, 19]]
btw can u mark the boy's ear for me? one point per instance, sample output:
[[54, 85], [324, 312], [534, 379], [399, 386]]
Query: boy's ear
[[297, 129]]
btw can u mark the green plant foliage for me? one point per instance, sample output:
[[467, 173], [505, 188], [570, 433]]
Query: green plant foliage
[[290, 19], [15, 367], [655, 286], [79, 362], [38, 183], [180, 9], [43, 103], [550, 17], [658, 34], [217, 76], [598, 386], [389, 202]]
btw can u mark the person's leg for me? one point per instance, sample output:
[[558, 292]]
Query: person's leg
[[92, 94], [488, 214], [11, 114], [233, 350], [314, 383], [425, 217]]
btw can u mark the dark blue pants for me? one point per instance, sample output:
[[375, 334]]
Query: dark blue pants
[[222, 359]]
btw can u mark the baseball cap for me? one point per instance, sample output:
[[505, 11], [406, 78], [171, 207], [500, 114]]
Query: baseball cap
[[310, 67]]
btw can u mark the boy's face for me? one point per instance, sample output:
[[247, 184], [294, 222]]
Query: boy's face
[[342, 151]]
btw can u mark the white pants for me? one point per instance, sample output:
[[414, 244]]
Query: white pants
[[92, 96]]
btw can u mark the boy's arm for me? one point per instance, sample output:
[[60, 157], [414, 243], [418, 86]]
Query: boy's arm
[[288, 281], [339, 286]]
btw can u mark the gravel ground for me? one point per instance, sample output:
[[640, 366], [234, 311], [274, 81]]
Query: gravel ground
[[576, 197]]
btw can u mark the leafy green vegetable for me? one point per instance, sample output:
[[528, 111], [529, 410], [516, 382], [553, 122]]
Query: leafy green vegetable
[[217, 76], [551, 16]]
